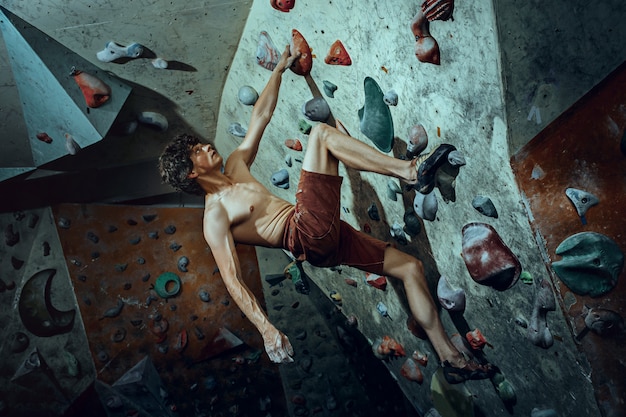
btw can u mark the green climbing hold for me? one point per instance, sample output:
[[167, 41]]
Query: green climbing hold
[[304, 127], [292, 271], [526, 277], [450, 400], [375, 116], [506, 392], [167, 285]]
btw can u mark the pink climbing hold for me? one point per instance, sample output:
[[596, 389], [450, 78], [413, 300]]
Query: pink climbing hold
[[411, 371], [267, 55], [283, 5], [294, 144]]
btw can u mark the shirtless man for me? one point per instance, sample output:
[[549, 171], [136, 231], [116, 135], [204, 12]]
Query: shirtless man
[[238, 208]]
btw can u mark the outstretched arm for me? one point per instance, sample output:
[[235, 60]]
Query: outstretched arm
[[218, 236], [263, 110]]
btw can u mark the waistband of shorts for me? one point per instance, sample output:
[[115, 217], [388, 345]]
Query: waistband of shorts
[[326, 177]]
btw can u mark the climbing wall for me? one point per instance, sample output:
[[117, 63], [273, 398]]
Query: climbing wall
[[68, 103], [42, 338], [585, 149], [147, 285], [457, 100]]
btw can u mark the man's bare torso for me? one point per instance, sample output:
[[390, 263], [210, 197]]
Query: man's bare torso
[[256, 216]]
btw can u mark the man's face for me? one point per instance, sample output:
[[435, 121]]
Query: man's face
[[205, 158]]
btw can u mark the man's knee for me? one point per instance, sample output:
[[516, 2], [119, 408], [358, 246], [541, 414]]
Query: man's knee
[[319, 132], [415, 270]]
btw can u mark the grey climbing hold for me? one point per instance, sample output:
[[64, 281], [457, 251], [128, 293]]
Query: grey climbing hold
[[11, 238], [154, 119], [397, 233], [391, 98], [237, 130], [538, 330], [183, 263], [452, 299], [391, 195], [114, 311], [582, 201], [281, 179], [547, 412], [64, 223], [247, 95], [372, 211], [418, 141], [426, 205], [485, 206], [412, 225], [93, 237], [316, 109], [18, 342], [329, 88], [204, 296]]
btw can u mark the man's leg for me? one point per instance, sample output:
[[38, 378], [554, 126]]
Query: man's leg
[[410, 271], [327, 145]]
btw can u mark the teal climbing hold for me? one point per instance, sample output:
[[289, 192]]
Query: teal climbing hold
[[167, 285], [591, 263], [375, 116]]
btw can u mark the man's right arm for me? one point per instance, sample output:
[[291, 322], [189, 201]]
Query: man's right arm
[[263, 110], [219, 237]]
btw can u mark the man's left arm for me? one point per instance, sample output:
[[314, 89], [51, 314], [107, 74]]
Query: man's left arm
[[263, 110]]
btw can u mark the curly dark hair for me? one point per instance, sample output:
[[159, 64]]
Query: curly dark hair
[[175, 164]]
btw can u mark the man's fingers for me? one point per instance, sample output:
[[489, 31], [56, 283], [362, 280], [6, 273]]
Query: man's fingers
[[288, 347], [281, 350]]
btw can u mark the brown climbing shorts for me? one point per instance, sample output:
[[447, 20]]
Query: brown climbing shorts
[[315, 232]]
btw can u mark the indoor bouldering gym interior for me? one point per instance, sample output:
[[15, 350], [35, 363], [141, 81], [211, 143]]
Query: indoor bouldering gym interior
[[513, 113]]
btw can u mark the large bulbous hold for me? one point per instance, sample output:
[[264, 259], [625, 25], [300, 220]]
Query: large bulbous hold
[[488, 259]]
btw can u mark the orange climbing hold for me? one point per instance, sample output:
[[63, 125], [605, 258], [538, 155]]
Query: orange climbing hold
[[299, 45], [337, 55], [95, 91], [388, 346], [476, 339]]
